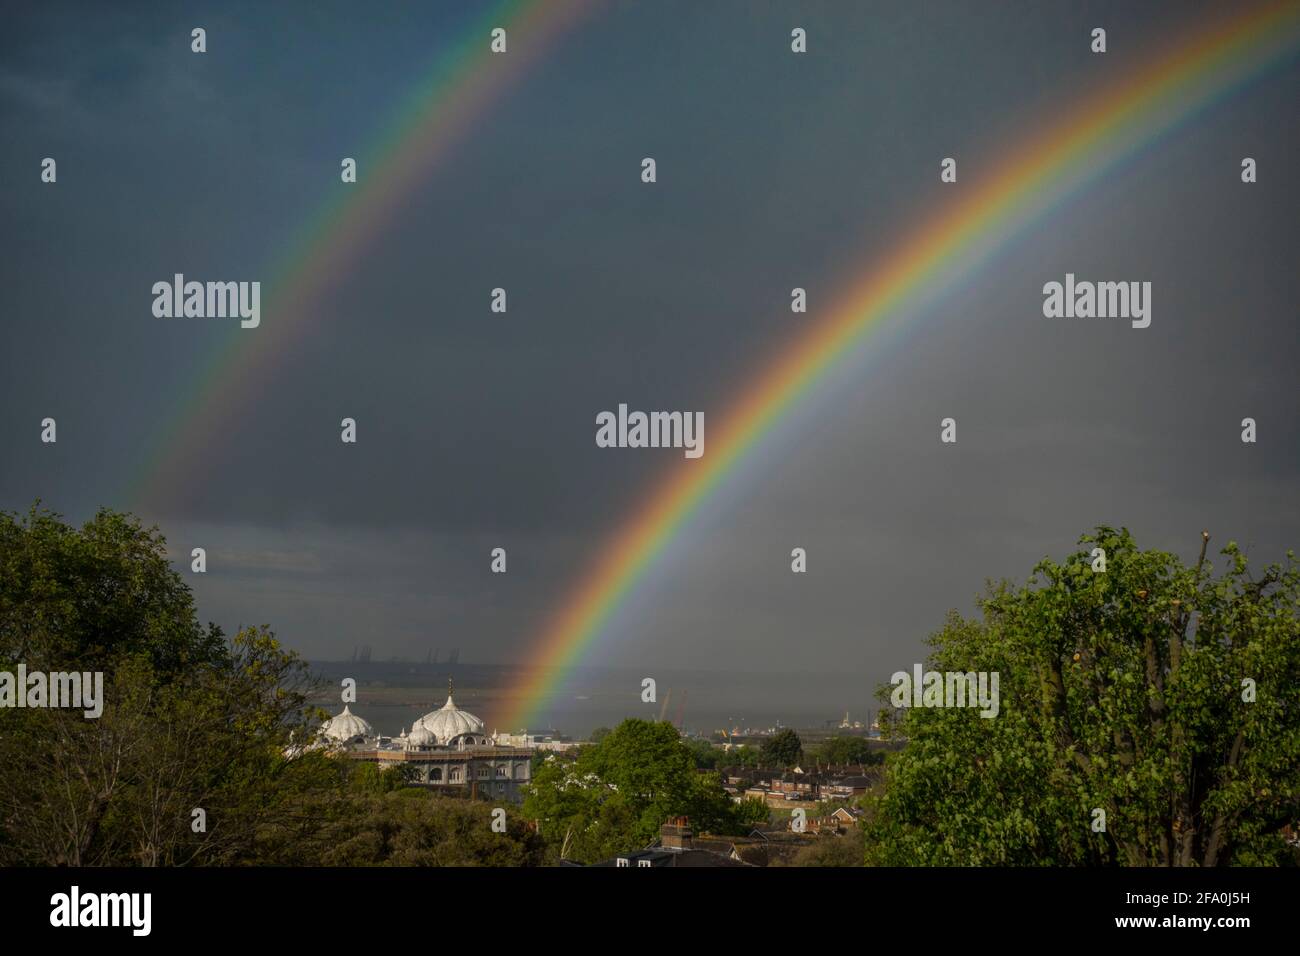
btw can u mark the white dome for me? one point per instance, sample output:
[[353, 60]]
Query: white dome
[[448, 723], [345, 727], [420, 737]]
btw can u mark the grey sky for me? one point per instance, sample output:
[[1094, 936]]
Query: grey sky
[[477, 430]]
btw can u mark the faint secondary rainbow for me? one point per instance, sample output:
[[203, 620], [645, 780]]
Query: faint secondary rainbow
[[1036, 175], [463, 81]]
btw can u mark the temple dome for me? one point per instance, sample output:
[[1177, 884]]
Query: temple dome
[[449, 722], [346, 726], [420, 736]]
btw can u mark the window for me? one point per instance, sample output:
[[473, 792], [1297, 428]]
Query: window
[[484, 773], [501, 771], [622, 861], [643, 863], [455, 775], [435, 775]]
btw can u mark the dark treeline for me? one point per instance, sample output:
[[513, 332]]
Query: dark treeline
[[186, 764]]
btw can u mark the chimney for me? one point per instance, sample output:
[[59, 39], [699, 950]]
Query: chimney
[[676, 834]]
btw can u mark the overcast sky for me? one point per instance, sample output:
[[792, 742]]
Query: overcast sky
[[477, 430]]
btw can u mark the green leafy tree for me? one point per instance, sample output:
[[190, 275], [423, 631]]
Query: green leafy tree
[[839, 850], [847, 750], [1160, 695], [123, 788], [782, 749], [541, 758], [738, 757], [706, 756], [197, 757], [614, 797], [190, 720], [742, 756], [355, 824], [95, 595], [751, 811]]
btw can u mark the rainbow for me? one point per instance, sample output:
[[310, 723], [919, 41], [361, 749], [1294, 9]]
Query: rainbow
[[464, 80], [1036, 176]]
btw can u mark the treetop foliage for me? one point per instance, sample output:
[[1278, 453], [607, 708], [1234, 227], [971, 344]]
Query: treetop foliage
[[615, 796], [1157, 698]]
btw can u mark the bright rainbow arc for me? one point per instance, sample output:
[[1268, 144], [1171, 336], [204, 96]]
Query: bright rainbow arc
[[455, 93], [1044, 170]]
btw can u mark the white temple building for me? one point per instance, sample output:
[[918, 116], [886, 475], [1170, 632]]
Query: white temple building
[[447, 748], [346, 728]]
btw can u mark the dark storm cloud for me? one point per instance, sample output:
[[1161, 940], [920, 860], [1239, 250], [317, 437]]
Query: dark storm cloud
[[476, 430]]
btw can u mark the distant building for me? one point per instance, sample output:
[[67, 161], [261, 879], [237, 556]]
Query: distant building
[[838, 821], [558, 743], [785, 787], [845, 788], [448, 749], [796, 785]]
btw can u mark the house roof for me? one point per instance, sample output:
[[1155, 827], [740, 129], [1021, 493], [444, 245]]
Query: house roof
[[662, 857]]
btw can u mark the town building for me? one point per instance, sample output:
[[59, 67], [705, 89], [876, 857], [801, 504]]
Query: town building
[[788, 788], [549, 741], [447, 749]]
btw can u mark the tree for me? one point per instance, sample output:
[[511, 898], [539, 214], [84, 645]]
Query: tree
[[706, 756], [353, 823], [740, 756], [538, 758], [191, 760], [190, 720], [839, 850], [94, 596], [751, 811], [614, 797], [1149, 715], [847, 750], [124, 788], [782, 749]]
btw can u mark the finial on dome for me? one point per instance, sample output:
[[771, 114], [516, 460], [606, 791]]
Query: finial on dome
[[449, 687]]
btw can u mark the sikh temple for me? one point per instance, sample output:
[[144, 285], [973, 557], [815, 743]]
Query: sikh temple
[[448, 748]]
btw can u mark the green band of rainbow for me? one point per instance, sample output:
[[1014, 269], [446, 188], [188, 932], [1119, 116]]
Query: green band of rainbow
[[1037, 174]]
